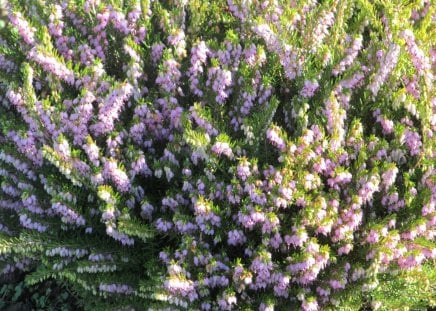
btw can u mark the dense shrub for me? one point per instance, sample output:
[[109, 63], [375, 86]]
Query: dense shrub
[[49, 295], [220, 155]]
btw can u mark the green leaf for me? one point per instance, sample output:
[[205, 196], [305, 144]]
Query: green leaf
[[18, 292]]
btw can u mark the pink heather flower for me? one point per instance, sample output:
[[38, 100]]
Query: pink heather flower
[[27, 145], [321, 31], [177, 40], [67, 214], [19, 166], [115, 288], [373, 237], [270, 224], [412, 86], [345, 249], [121, 237], [300, 202], [140, 167], [323, 292], [335, 284], [271, 39], [386, 67], [276, 241], [301, 266], [351, 54], [134, 15], [309, 88], [389, 177], [243, 170], [176, 285], [119, 177], [27, 222], [23, 27], [52, 65], [162, 225], [386, 124], [310, 305], [412, 140], [211, 131], [419, 59], [110, 111], [220, 148], [119, 21], [341, 178], [238, 10], [92, 151], [156, 52], [367, 189], [10, 190], [353, 82], [291, 61], [250, 54], [392, 223], [220, 80], [297, 239], [275, 139], [89, 4], [55, 28], [169, 78], [309, 183], [198, 59], [63, 148], [281, 287], [410, 261], [266, 307], [429, 208], [262, 267]]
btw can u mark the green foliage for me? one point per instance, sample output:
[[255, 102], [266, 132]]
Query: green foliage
[[406, 290], [136, 137], [46, 295]]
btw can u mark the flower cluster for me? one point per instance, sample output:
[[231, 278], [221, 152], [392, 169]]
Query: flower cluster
[[217, 155]]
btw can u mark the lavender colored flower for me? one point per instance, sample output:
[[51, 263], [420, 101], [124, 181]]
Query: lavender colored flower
[[236, 237], [169, 78], [112, 172], [420, 61], [310, 305], [116, 288], [25, 30], [351, 54], [220, 148], [309, 88], [386, 67], [275, 139], [110, 110], [413, 141], [52, 65], [28, 223], [220, 80]]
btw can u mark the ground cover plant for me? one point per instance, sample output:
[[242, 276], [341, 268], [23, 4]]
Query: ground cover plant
[[220, 155], [50, 295]]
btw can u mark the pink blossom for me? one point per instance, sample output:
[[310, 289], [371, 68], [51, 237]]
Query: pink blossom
[[310, 305], [25, 30], [220, 148], [309, 88], [413, 141], [386, 67], [275, 139], [115, 174]]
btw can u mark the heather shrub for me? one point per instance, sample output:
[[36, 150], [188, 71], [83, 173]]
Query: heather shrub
[[215, 155]]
